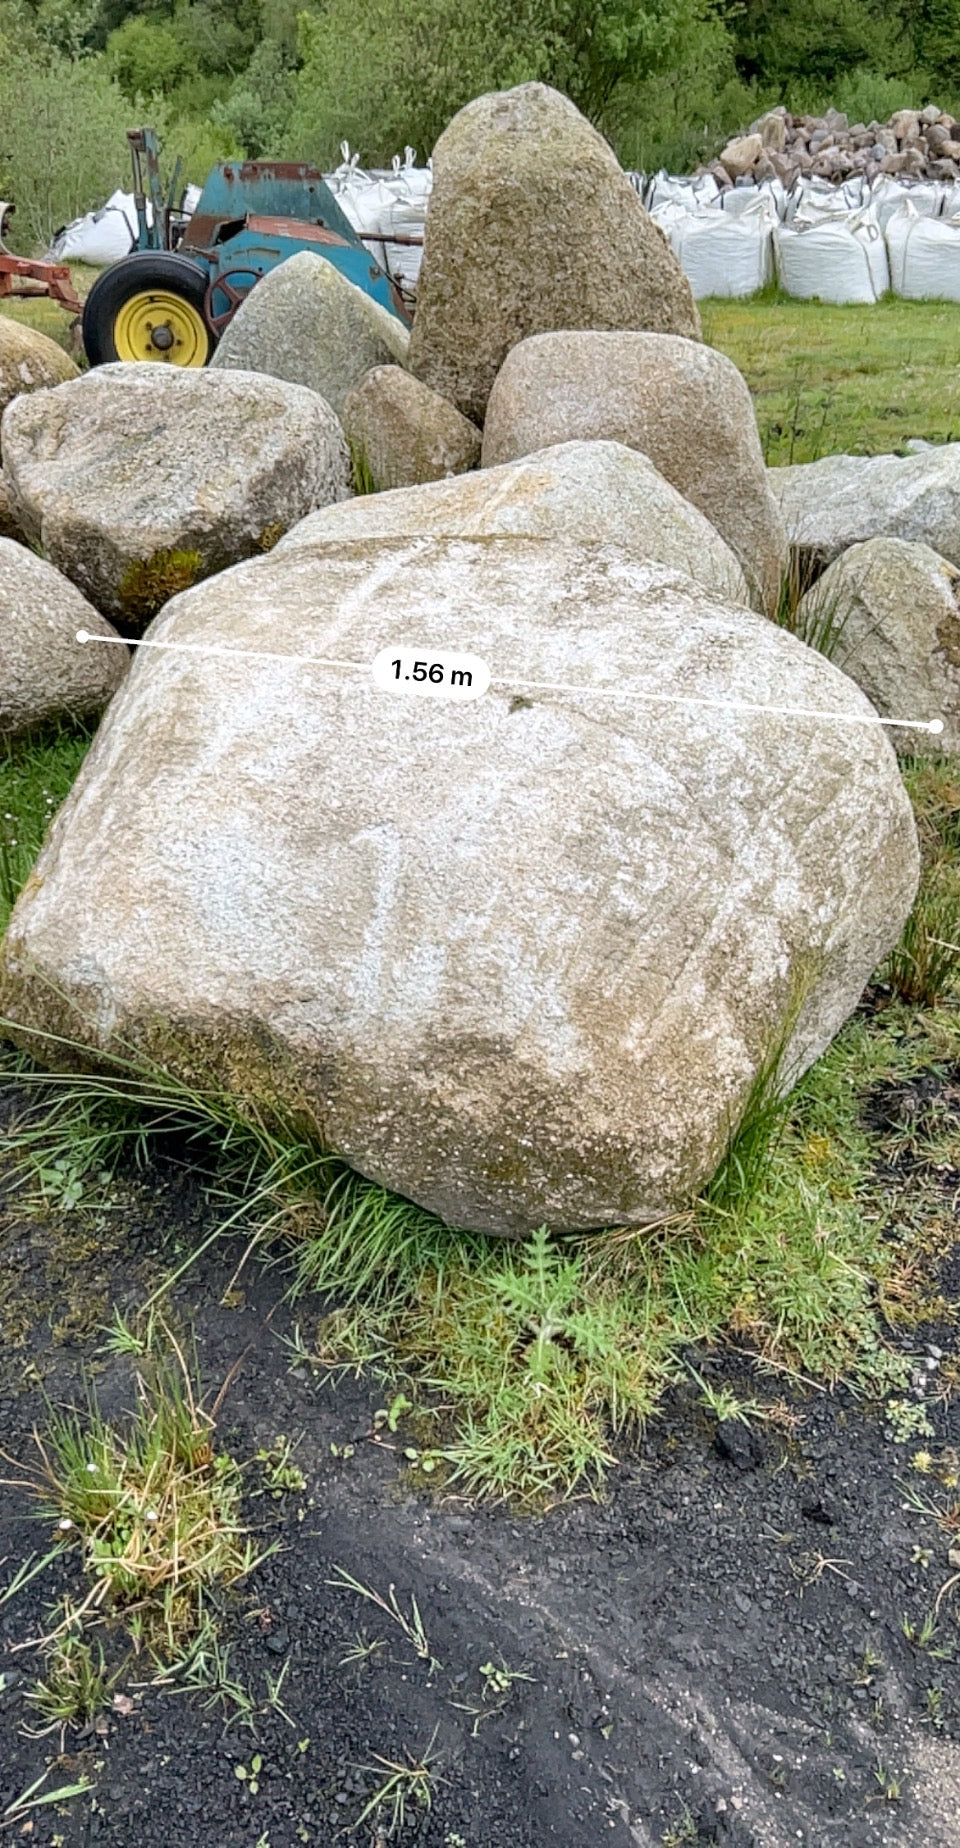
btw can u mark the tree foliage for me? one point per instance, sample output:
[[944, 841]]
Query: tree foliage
[[665, 80]]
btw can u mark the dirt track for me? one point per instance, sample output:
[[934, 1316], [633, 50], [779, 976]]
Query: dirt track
[[696, 1647]]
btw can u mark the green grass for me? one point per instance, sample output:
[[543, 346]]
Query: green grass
[[824, 379], [36, 774], [830, 380]]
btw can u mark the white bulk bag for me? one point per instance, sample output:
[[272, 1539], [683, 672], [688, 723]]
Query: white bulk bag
[[837, 259], [725, 254], [887, 194], [738, 199], [99, 237], [666, 189], [924, 255], [390, 201], [818, 198]]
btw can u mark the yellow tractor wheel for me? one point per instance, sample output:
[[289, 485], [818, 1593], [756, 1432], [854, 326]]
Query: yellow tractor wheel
[[149, 306], [158, 325]]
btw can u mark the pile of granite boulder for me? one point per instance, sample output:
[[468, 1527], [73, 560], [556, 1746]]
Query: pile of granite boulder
[[920, 144]]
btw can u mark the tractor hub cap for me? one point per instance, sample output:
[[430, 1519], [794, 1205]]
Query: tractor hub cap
[[157, 324]]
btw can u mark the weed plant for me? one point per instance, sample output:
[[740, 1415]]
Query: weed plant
[[77, 1683]]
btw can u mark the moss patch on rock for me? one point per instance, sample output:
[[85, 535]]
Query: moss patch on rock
[[149, 583]]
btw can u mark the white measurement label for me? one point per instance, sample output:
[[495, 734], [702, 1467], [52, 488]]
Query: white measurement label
[[436, 672]]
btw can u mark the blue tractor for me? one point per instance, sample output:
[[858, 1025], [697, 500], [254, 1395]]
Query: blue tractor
[[187, 274]]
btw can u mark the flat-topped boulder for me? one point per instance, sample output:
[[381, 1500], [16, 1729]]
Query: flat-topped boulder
[[520, 958], [841, 501], [602, 493], [138, 480], [681, 403]]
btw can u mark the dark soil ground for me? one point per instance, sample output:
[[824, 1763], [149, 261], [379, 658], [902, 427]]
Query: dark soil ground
[[716, 1653]]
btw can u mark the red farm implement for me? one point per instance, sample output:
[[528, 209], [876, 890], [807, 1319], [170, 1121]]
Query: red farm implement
[[26, 276]]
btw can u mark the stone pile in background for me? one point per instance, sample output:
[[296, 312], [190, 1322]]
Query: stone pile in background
[[919, 144]]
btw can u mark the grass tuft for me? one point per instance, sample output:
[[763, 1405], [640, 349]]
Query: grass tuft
[[36, 775], [924, 968], [150, 1504]]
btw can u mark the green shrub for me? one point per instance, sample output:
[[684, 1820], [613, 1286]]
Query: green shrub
[[63, 146]]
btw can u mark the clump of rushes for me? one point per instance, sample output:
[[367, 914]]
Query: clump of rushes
[[77, 1683], [152, 1507]]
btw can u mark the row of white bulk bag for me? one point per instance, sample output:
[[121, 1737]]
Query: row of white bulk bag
[[924, 255], [722, 253], [839, 259], [390, 201]]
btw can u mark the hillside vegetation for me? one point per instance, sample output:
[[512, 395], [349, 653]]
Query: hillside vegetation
[[666, 81]]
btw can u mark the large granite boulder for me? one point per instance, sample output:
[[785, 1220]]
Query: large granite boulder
[[29, 361], [887, 612], [402, 433], [306, 323], [683, 404], [840, 501], [532, 225], [600, 493], [137, 480], [45, 673], [520, 959]]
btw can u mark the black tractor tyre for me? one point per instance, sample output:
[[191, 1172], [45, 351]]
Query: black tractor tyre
[[138, 274]]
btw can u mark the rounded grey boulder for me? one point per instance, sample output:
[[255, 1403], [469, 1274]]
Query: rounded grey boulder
[[680, 402], [306, 323], [888, 612], [403, 433], [45, 673]]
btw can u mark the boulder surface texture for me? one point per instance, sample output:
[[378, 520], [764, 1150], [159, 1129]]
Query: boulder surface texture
[[601, 493], [45, 673], [29, 361], [9, 527], [842, 500], [532, 225], [519, 959], [404, 432], [683, 404], [137, 480], [888, 610], [306, 323]]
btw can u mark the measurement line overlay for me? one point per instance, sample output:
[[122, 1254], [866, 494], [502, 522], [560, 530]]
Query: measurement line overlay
[[461, 676]]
